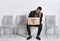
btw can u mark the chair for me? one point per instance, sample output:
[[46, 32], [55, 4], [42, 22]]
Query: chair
[[50, 23], [7, 25], [20, 25]]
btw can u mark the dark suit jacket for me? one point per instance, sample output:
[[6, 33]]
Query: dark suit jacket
[[32, 14]]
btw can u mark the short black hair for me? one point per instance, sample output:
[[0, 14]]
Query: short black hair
[[40, 8]]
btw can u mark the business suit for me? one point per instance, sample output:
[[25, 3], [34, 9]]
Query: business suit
[[33, 14]]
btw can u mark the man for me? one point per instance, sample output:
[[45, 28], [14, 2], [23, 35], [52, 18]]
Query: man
[[35, 13]]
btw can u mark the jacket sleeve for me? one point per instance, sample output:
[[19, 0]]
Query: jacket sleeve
[[41, 17], [30, 14]]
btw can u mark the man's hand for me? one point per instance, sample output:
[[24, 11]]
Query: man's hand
[[33, 21]]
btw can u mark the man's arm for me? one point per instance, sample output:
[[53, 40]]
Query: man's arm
[[31, 14], [41, 17]]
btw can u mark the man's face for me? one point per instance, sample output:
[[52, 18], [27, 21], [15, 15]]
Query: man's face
[[38, 11]]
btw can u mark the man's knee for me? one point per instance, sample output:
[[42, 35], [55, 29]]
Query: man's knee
[[40, 26]]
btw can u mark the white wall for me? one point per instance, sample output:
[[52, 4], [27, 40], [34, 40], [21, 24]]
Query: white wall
[[20, 7], [58, 15]]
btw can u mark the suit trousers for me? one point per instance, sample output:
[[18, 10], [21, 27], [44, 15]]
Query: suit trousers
[[39, 28]]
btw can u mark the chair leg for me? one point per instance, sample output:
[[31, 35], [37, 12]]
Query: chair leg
[[14, 32], [57, 32], [54, 32], [3, 31], [10, 33], [46, 35], [46, 32], [0, 32]]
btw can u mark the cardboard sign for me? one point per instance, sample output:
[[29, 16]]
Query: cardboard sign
[[34, 21]]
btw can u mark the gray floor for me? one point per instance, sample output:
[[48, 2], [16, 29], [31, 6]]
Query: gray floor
[[20, 38]]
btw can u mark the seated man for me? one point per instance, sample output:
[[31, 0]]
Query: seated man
[[35, 13]]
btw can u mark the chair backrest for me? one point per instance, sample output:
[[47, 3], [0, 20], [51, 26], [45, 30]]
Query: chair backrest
[[21, 19], [50, 20], [7, 20]]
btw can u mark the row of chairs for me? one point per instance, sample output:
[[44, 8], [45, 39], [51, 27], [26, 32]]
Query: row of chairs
[[8, 28]]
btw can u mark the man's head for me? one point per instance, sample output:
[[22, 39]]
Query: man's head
[[38, 10]]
